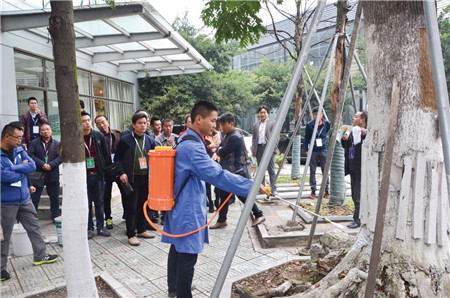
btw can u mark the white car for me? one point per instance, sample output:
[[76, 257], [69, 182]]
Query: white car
[[247, 141]]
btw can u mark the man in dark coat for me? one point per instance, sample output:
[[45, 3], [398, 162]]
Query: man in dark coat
[[352, 145], [44, 152]]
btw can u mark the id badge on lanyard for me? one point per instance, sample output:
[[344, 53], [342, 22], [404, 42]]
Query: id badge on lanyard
[[35, 129], [142, 163], [142, 160], [90, 163]]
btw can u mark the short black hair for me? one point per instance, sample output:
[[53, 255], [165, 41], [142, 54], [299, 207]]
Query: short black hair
[[315, 110], [263, 107], [138, 116], [226, 117], [32, 98], [203, 108], [139, 111], [166, 120], [153, 119], [98, 116], [364, 115], [19, 125], [82, 104], [10, 128], [44, 124], [84, 113]]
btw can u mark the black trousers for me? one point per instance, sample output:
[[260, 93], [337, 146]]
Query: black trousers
[[107, 198], [135, 203], [223, 195], [180, 272], [355, 180]]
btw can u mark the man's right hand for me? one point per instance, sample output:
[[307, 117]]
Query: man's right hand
[[124, 178], [345, 137]]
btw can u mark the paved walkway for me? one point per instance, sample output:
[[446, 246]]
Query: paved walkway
[[142, 269]]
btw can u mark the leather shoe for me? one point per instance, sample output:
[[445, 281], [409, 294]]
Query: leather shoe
[[258, 220], [354, 225], [146, 234], [219, 225]]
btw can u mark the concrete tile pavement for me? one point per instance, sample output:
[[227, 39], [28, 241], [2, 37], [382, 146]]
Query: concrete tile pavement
[[142, 269]]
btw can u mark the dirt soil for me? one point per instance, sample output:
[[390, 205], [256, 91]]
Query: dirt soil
[[328, 210], [300, 275], [104, 291]]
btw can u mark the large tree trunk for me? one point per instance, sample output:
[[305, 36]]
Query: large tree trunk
[[77, 262], [415, 258], [338, 191]]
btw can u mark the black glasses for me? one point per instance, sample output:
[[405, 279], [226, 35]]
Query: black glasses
[[19, 138]]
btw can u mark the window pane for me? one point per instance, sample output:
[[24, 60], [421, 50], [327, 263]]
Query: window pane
[[50, 74], [84, 87], [100, 108], [87, 104], [22, 99], [115, 114], [29, 70], [53, 115], [127, 114], [114, 89], [99, 84], [127, 92]]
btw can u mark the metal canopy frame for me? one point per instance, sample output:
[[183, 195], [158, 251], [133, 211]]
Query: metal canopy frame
[[113, 36]]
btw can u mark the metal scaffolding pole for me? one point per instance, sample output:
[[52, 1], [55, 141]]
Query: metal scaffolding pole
[[316, 126], [307, 102], [353, 94], [281, 115], [361, 68], [338, 119], [440, 85]]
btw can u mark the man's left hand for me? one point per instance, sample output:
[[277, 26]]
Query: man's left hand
[[25, 161]]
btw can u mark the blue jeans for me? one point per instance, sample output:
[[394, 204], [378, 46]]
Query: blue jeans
[[53, 193], [95, 189], [317, 157], [180, 272]]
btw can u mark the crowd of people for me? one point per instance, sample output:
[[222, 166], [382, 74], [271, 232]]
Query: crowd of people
[[210, 151]]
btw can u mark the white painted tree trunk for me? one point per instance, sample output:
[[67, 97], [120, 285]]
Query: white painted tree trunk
[[77, 259], [415, 259]]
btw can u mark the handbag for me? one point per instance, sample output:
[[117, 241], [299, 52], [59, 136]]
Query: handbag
[[111, 172], [37, 179]]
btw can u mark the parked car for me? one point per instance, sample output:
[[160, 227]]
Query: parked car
[[284, 141]]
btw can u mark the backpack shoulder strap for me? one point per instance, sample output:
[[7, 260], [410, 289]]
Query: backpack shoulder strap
[[185, 138]]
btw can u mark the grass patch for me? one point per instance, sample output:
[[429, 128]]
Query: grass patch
[[289, 179]]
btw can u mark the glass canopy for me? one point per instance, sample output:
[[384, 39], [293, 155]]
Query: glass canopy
[[132, 37]]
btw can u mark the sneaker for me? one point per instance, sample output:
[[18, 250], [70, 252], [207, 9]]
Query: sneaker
[[45, 260], [109, 224], [103, 233], [90, 234], [133, 241], [146, 234], [5, 275]]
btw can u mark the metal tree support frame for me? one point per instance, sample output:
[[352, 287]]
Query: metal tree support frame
[[440, 85], [316, 126], [284, 108], [338, 119]]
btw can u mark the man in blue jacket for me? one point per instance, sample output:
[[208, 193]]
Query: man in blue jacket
[[44, 152], [319, 153], [15, 202], [193, 167]]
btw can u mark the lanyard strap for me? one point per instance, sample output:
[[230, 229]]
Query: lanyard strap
[[143, 145], [35, 122], [88, 149], [45, 149]]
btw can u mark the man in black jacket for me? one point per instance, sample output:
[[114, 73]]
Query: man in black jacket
[[44, 152], [132, 163], [230, 152], [95, 150], [353, 145]]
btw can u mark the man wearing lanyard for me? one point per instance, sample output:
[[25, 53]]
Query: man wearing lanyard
[[112, 137], [15, 202], [262, 130], [95, 151], [31, 121], [319, 153], [131, 159], [44, 152]]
